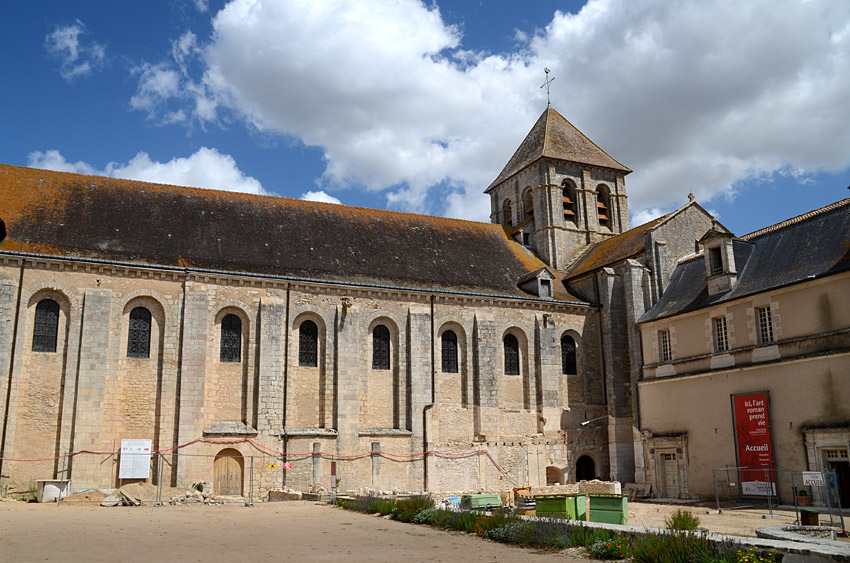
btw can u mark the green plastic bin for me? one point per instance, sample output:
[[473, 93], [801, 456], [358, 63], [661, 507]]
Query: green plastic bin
[[570, 507], [609, 509], [480, 501]]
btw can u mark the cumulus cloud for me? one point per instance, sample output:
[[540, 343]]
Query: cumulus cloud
[[695, 97], [207, 168], [320, 196], [77, 58]]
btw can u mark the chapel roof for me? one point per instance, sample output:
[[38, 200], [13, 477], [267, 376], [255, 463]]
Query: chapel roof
[[613, 249], [128, 221], [555, 137], [810, 246]]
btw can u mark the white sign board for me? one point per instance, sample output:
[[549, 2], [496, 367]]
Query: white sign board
[[813, 479], [135, 459]]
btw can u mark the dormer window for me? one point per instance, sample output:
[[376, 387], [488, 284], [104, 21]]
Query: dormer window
[[715, 260], [539, 283]]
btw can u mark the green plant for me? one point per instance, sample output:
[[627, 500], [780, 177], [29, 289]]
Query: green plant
[[676, 547], [615, 548], [424, 516], [755, 556], [585, 536], [802, 493], [381, 506], [406, 509], [682, 520]]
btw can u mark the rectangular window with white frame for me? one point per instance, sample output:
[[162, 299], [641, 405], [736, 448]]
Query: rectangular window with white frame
[[664, 345], [765, 326], [721, 338]]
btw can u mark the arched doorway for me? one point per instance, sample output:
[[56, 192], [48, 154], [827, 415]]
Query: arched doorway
[[227, 471], [554, 476], [585, 469]]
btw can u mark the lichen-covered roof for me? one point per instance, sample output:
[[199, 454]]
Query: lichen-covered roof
[[810, 246], [73, 215], [555, 137], [614, 249]]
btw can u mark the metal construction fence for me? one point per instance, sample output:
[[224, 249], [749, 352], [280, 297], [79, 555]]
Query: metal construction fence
[[221, 472], [764, 485]]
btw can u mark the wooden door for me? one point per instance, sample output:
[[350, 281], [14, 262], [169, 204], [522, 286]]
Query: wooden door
[[227, 471], [671, 475]]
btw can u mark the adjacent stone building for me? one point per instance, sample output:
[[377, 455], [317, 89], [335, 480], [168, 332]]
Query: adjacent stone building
[[390, 350]]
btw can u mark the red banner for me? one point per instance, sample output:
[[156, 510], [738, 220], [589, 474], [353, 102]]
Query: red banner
[[755, 451]]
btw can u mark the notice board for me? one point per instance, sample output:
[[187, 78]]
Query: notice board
[[135, 459], [753, 443]]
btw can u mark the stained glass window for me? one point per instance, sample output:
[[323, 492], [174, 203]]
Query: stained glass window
[[231, 339], [139, 335], [568, 355], [308, 344], [381, 347], [46, 326], [511, 355], [449, 341]]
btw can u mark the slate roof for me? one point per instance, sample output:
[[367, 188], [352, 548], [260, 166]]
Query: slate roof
[[90, 217], [555, 137], [810, 246]]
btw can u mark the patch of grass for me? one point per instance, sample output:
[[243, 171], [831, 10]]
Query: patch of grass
[[677, 547], [381, 506], [682, 520]]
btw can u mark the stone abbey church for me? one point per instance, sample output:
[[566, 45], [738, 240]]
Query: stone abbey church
[[398, 351]]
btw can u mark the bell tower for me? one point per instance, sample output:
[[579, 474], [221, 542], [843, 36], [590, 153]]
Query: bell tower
[[560, 192]]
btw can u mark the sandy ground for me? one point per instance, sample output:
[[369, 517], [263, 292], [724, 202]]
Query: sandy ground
[[301, 530], [281, 531]]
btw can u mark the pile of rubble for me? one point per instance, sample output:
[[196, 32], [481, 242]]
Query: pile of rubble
[[201, 493], [120, 498]]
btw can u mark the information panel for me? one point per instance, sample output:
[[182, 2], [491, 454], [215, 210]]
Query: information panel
[[135, 459], [755, 451]]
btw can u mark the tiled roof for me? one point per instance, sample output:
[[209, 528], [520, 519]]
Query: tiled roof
[[555, 137], [810, 246], [73, 215], [614, 249]]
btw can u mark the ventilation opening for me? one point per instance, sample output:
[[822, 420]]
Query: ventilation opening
[[2, 230]]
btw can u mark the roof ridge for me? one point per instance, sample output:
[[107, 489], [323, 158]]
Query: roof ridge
[[798, 219]]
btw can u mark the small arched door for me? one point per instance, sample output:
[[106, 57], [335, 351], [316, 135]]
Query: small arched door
[[585, 469], [227, 471]]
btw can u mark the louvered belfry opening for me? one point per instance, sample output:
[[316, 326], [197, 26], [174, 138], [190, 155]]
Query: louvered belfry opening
[[603, 207]]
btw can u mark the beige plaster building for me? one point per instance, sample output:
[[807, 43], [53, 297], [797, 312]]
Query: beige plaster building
[[400, 351], [762, 318]]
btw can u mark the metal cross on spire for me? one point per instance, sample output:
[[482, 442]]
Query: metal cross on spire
[[547, 83]]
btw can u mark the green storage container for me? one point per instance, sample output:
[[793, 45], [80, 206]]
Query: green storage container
[[571, 507], [609, 509], [481, 501]]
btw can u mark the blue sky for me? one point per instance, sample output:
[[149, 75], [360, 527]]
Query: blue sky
[[416, 107]]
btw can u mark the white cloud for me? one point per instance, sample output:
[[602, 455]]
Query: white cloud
[[202, 5], [78, 59], [207, 168], [645, 216], [320, 196], [694, 96]]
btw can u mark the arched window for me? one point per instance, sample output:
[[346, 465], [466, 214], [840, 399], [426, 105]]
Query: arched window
[[511, 355], [528, 204], [139, 335], [603, 207], [568, 355], [507, 213], [449, 341], [46, 326], [381, 347], [569, 202], [231, 339], [308, 344]]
